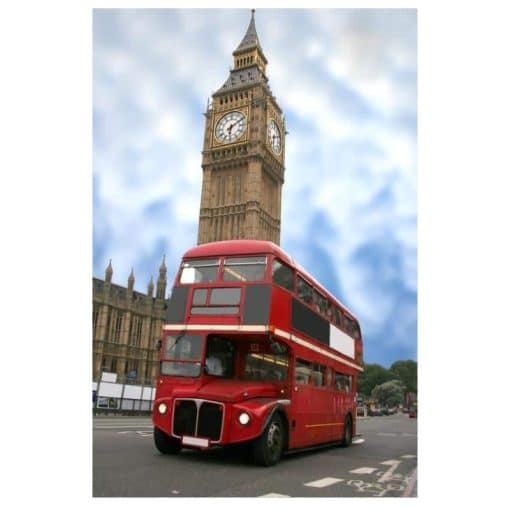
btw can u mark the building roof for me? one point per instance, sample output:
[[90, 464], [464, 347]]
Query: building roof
[[242, 77], [250, 39]]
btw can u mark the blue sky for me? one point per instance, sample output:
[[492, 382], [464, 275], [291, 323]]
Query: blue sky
[[346, 80]]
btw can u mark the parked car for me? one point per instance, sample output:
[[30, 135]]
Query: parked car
[[374, 412], [360, 411], [413, 412]]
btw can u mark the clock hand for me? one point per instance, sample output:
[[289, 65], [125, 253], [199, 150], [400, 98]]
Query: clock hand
[[236, 122]]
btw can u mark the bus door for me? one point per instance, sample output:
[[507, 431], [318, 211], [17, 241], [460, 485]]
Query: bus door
[[312, 406]]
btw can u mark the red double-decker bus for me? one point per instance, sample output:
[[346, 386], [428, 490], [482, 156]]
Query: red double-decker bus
[[254, 349]]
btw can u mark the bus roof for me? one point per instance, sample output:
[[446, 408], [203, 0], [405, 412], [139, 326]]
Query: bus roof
[[251, 247]]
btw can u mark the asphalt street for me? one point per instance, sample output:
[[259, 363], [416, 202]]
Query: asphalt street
[[382, 462]]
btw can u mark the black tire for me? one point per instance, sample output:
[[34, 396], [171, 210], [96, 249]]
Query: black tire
[[166, 444], [347, 438], [268, 448]]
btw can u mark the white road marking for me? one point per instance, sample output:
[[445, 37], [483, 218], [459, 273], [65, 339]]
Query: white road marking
[[394, 465], [363, 471], [323, 482], [358, 441], [124, 432], [389, 434], [408, 456], [274, 495]]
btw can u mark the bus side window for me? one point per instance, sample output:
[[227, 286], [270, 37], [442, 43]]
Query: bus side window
[[338, 381], [322, 302], [328, 377], [352, 328], [329, 312], [338, 318], [316, 301], [283, 275], [303, 371], [343, 382], [304, 290], [319, 375]]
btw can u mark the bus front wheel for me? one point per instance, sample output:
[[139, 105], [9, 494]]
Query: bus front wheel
[[166, 444], [268, 448]]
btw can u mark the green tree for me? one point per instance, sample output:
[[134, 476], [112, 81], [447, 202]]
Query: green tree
[[389, 394], [372, 376], [407, 372]]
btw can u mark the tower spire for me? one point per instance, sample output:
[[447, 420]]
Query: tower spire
[[161, 287], [150, 288], [131, 280], [249, 52], [108, 273], [250, 39]]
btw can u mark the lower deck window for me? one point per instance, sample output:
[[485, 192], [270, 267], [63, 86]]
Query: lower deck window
[[303, 371], [343, 381], [266, 367]]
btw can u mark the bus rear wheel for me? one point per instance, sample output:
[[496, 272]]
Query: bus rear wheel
[[347, 439], [268, 448], [166, 444]]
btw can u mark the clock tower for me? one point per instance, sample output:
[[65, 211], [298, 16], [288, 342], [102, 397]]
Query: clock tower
[[244, 153]]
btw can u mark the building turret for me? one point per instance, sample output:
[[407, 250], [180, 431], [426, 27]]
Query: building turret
[[131, 281], [161, 289], [150, 288], [108, 273]]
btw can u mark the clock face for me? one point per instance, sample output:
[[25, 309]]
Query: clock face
[[273, 137], [230, 127]]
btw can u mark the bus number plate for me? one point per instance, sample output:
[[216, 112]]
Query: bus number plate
[[195, 441]]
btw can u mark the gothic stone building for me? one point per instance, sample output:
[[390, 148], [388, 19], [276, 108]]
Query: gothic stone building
[[126, 327], [243, 175]]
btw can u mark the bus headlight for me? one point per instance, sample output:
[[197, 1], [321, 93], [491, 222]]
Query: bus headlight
[[244, 418], [162, 408]]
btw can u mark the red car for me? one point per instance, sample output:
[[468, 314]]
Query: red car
[[413, 413]]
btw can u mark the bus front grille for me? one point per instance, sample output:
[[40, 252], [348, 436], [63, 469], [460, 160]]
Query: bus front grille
[[210, 418], [185, 417], [209, 422]]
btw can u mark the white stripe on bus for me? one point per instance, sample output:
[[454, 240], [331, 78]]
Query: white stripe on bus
[[215, 327], [305, 343]]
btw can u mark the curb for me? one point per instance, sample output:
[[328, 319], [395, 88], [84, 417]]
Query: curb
[[411, 486]]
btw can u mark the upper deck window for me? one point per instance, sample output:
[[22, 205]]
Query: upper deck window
[[320, 301], [244, 269], [352, 327], [305, 290], [283, 275], [200, 271], [338, 318]]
